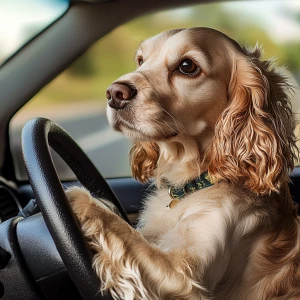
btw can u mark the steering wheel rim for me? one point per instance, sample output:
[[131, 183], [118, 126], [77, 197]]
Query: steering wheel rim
[[37, 135]]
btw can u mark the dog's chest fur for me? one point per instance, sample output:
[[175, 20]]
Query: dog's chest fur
[[158, 219]]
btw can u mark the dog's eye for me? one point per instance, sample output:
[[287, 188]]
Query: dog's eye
[[188, 67], [140, 61]]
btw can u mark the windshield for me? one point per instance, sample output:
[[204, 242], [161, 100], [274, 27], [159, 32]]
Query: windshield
[[21, 20]]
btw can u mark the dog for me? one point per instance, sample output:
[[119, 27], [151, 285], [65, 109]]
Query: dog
[[211, 123]]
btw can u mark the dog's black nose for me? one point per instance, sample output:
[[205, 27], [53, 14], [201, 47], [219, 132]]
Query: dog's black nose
[[119, 95]]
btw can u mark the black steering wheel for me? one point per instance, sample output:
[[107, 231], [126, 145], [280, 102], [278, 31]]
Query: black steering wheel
[[38, 134]]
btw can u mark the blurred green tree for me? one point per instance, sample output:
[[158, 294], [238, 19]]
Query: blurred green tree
[[83, 66]]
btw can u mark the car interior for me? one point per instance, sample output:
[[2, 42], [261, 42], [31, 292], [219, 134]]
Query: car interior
[[42, 252]]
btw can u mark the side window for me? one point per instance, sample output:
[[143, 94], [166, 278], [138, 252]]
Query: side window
[[76, 98]]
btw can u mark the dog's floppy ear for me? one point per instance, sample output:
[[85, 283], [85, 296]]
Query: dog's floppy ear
[[143, 160], [254, 143]]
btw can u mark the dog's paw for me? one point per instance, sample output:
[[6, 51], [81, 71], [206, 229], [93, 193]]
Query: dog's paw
[[83, 204], [81, 201]]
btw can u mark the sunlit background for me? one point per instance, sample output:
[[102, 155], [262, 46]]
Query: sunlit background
[[80, 90]]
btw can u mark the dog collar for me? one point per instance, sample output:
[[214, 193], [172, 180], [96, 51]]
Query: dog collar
[[199, 183]]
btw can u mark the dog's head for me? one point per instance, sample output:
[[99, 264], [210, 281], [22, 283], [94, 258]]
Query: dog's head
[[179, 77], [199, 99]]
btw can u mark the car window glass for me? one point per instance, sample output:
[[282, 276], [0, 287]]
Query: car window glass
[[76, 98], [21, 20]]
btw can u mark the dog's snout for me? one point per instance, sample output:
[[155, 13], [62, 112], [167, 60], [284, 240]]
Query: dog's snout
[[119, 95]]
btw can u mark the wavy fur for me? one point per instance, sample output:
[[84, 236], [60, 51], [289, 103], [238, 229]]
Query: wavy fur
[[254, 143], [143, 159]]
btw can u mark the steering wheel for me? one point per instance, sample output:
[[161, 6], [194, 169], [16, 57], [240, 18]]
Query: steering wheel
[[38, 134]]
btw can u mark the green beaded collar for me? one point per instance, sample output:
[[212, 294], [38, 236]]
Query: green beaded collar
[[177, 193]]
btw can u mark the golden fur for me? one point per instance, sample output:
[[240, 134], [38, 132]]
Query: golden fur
[[238, 239]]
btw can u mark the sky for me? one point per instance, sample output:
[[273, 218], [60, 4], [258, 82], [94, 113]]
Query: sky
[[19, 17], [275, 18]]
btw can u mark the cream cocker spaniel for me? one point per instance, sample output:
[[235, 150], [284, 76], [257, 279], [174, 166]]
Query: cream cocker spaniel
[[211, 122]]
